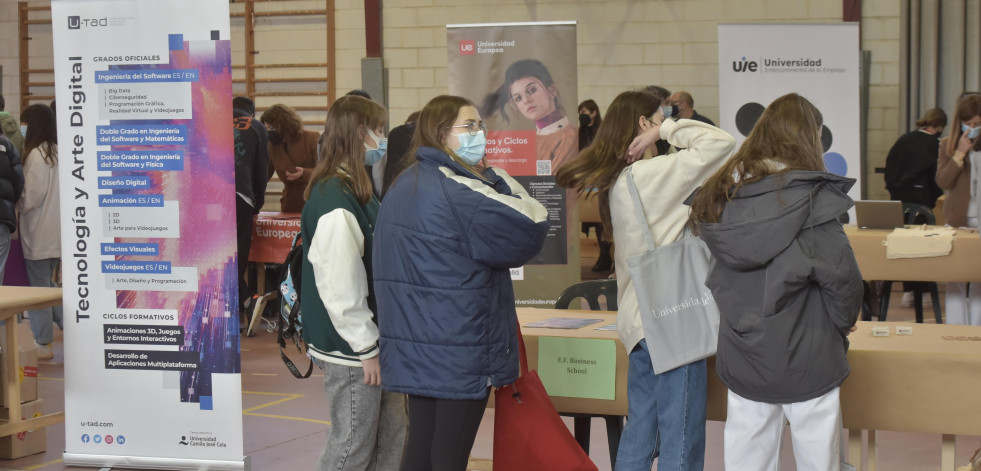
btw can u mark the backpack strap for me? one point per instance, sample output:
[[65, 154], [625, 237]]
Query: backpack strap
[[292, 367], [288, 322]]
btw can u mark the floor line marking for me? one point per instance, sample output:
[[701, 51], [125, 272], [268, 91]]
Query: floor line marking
[[301, 419], [42, 465], [273, 403], [261, 393]]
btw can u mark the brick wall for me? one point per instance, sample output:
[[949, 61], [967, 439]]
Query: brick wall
[[621, 44], [880, 36]]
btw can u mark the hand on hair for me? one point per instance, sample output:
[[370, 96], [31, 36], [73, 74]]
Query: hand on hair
[[295, 175], [641, 143]]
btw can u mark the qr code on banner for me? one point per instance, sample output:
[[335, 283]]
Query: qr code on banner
[[544, 167]]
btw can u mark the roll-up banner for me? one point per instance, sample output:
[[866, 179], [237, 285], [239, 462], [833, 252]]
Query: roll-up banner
[[522, 78], [152, 367], [761, 62]]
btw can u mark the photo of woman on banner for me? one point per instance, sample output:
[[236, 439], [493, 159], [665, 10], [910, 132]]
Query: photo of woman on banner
[[529, 89]]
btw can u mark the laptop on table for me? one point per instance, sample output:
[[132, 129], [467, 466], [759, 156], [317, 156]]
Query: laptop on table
[[878, 214]]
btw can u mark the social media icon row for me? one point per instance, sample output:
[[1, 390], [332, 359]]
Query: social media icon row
[[109, 439]]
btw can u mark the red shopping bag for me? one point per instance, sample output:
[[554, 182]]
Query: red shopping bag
[[528, 432]]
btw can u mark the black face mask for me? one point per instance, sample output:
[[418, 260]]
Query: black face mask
[[275, 138], [583, 120]]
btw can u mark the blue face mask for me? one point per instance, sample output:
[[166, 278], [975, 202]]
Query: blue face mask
[[669, 110], [471, 148], [971, 132], [23, 130], [373, 156]]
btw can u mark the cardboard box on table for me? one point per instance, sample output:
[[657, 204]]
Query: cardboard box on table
[[27, 362], [24, 443], [27, 374]]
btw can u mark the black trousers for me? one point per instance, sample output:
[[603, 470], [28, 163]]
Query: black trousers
[[441, 433], [243, 229]]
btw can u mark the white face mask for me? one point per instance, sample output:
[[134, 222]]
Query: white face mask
[[373, 156], [472, 147], [23, 130], [971, 132]]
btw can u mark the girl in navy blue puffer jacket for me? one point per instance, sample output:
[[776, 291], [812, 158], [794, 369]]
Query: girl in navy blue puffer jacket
[[444, 241]]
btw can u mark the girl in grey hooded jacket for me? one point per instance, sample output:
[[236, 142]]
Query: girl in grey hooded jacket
[[787, 286]]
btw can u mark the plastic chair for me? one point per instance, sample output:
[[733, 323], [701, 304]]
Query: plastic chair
[[915, 214], [591, 292]]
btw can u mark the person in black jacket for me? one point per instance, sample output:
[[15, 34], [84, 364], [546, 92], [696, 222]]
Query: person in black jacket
[[910, 170], [11, 187], [912, 161], [251, 165]]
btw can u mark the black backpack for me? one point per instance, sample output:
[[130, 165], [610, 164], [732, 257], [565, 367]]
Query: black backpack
[[290, 327]]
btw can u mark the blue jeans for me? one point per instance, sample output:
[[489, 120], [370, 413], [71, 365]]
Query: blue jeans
[[672, 402], [368, 425], [40, 273]]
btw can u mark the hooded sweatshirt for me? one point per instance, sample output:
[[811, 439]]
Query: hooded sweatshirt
[[11, 129], [787, 286]]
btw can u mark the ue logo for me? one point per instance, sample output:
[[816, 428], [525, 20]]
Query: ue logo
[[744, 66], [468, 47]]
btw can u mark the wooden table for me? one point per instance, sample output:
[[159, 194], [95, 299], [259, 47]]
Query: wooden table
[[963, 263], [13, 300], [919, 383]]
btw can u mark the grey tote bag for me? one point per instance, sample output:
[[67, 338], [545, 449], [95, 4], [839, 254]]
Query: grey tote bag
[[679, 314]]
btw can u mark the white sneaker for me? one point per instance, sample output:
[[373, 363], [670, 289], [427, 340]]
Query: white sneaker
[[907, 299], [44, 352]]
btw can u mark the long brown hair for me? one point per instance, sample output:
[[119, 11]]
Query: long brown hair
[[342, 153], [285, 121], [968, 107], [598, 166], [435, 123], [787, 133], [41, 133]]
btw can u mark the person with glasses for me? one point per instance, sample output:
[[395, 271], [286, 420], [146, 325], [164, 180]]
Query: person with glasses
[[529, 89], [672, 403], [448, 233]]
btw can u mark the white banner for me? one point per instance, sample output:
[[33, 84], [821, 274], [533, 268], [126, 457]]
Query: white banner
[[152, 367], [761, 62]]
